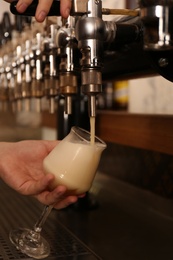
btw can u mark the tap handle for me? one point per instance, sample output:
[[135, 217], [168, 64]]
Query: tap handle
[[6, 26], [30, 11]]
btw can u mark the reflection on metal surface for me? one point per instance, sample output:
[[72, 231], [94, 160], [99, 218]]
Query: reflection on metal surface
[[23, 211]]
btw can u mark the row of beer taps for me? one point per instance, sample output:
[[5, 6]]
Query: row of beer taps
[[65, 57], [29, 65], [55, 60]]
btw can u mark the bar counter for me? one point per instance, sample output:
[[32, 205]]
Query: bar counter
[[128, 224], [20, 211]]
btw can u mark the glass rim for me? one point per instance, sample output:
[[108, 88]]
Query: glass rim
[[97, 139]]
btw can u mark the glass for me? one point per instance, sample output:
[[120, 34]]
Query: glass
[[74, 162]]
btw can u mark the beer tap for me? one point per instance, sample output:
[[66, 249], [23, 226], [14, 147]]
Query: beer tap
[[12, 84], [92, 33], [27, 73], [89, 31], [51, 80], [69, 61], [37, 84], [5, 66], [6, 27], [4, 82], [157, 19], [19, 77], [15, 66]]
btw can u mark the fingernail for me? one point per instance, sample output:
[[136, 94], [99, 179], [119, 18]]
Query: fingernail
[[21, 7], [41, 16]]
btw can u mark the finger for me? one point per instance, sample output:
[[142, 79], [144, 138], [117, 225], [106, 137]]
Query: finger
[[65, 7], [43, 9], [65, 202], [22, 5], [52, 197]]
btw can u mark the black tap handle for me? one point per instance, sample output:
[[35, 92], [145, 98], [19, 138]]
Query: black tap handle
[[30, 11]]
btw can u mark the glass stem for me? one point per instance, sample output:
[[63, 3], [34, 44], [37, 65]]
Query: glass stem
[[46, 211]]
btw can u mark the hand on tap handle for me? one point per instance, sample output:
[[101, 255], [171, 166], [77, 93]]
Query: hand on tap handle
[[41, 8]]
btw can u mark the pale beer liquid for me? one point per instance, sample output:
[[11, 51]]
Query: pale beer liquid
[[73, 164], [92, 129]]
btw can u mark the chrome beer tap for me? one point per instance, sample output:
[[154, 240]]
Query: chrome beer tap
[[157, 19], [89, 31], [37, 84], [50, 74], [27, 74], [19, 77], [69, 61], [12, 84], [4, 69]]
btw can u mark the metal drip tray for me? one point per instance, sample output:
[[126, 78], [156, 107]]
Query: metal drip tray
[[21, 211]]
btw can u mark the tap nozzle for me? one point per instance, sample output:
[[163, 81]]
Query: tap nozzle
[[68, 88], [91, 86]]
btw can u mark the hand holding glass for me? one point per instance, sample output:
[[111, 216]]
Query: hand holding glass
[[74, 162]]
